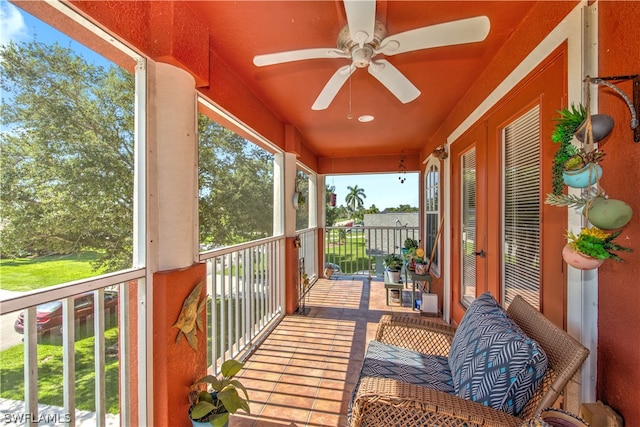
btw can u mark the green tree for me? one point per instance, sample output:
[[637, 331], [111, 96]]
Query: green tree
[[67, 159], [67, 154], [373, 209], [354, 198], [402, 208], [302, 214], [236, 187]]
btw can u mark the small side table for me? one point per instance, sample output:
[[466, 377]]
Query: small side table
[[393, 285], [423, 283]]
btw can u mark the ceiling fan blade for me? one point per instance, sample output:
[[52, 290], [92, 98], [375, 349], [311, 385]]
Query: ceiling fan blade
[[298, 55], [361, 17], [468, 30], [393, 80], [332, 87]]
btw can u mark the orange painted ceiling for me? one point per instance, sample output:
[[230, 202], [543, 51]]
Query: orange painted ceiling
[[242, 29], [236, 31]]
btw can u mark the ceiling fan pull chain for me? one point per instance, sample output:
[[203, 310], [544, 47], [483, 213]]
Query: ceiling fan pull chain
[[349, 116]]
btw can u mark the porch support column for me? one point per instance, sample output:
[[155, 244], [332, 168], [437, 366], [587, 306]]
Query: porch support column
[[172, 241], [291, 251], [321, 206]]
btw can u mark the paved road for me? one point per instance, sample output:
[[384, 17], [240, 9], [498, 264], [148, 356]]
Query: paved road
[[8, 337]]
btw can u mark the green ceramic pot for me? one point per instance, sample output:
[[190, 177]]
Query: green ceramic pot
[[608, 214]]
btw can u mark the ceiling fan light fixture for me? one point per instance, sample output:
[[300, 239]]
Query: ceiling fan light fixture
[[362, 56], [366, 118]]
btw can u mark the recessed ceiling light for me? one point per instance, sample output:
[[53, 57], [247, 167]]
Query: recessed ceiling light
[[366, 118]]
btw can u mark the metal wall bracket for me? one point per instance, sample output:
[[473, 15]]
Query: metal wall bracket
[[634, 106]]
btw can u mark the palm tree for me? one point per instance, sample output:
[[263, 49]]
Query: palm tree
[[354, 198]]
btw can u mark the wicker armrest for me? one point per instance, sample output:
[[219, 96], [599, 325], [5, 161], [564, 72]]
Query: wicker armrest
[[385, 402], [415, 333]]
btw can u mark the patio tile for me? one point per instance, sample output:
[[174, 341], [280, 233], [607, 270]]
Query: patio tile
[[304, 373]]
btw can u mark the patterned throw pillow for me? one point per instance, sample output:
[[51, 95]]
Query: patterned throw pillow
[[492, 361]]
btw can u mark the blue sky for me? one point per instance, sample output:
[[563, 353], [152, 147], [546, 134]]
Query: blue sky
[[382, 190], [19, 26]]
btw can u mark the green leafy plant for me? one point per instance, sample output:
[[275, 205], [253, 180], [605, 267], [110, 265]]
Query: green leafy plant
[[393, 262], [410, 243], [418, 256], [221, 397], [570, 200], [567, 124], [596, 243], [582, 158]]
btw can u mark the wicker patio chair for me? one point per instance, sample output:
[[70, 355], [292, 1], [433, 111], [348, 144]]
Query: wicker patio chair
[[386, 402]]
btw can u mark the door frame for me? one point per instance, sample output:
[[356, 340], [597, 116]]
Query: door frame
[[546, 85]]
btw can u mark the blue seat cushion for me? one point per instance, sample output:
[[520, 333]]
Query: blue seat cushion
[[389, 361], [492, 361]]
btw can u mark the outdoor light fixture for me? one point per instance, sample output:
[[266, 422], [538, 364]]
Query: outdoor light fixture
[[402, 170]]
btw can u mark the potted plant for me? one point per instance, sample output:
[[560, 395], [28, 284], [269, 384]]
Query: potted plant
[[582, 168], [219, 398], [589, 248], [409, 251], [393, 264], [420, 262]]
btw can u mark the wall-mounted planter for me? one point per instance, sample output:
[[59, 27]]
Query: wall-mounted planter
[[576, 260], [608, 214], [601, 125], [584, 177]]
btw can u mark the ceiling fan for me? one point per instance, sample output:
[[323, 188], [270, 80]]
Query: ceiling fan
[[363, 38]]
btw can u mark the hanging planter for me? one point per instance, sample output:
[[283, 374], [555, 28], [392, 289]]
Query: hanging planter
[[332, 200], [583, 177], [589, 248], [608, 214], [601, 125], [577, 260], [582, 169]]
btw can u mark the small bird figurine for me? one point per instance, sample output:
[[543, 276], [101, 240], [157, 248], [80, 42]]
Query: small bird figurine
[[190, 317]]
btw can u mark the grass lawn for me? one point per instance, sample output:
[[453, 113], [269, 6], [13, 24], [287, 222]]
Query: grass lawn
[[50, 380], [25, 274], [348, 250]]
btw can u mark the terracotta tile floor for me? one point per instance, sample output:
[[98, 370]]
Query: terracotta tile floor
[[304, 372]]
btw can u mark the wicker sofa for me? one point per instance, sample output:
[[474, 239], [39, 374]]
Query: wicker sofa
[[414, 371]]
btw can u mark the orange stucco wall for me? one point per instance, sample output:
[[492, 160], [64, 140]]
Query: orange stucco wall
[[176, 366], [619, 283]]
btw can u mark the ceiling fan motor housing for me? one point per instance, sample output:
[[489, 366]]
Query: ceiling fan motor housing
[[361, 56]]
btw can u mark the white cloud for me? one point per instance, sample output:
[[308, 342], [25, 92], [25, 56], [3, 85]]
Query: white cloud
[[12, 26]]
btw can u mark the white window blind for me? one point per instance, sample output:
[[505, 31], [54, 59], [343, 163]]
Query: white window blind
[[432, 213], [468, 246], [521, 207]]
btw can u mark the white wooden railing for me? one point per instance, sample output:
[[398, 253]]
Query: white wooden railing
[[361, 249], [60, 403], [245, 285]]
